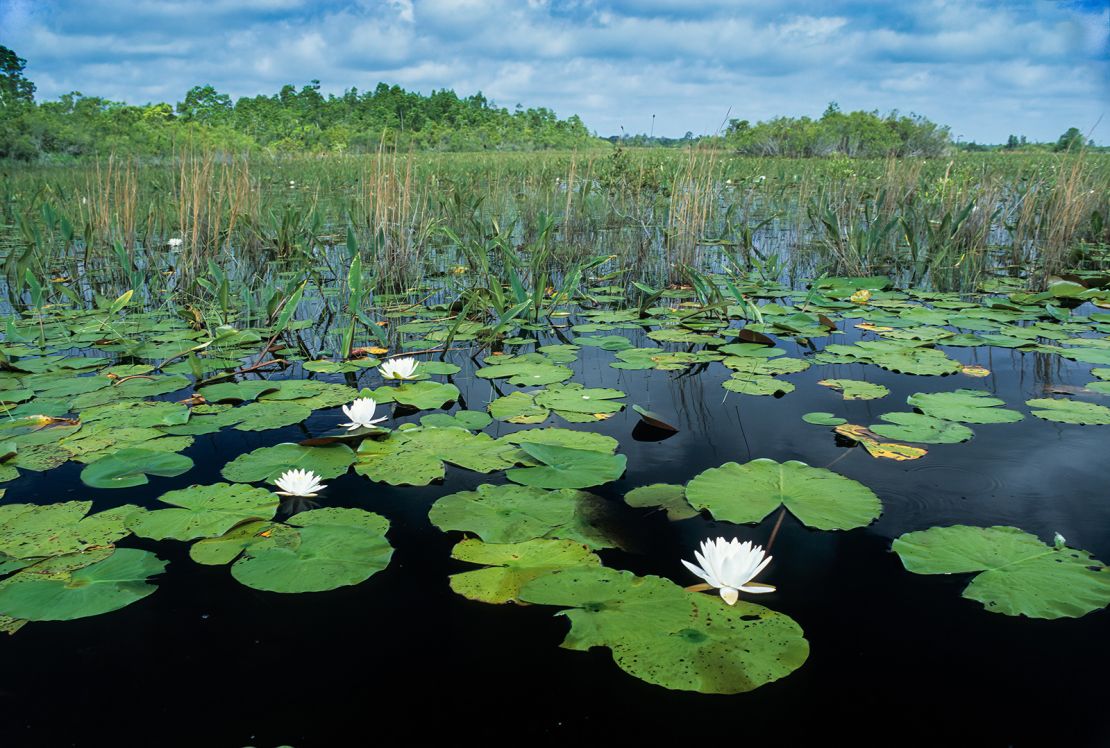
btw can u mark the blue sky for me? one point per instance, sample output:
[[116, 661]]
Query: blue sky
[[985, 68]]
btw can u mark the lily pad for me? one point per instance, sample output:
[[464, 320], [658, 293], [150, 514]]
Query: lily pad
[[964, 406], [1020, 575], [41, 530], [667, 496], [130, 467], [267, 463], [564, 467], [664, 635], [511, 565], [416, 456], [854, 389], [818, 497], [513, 514], [821, 418], [113, 583], [419, 395], [204, 511], [1070, 411], [914, 427], [333, 548]]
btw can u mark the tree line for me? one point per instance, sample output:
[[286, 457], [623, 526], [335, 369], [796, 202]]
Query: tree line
[[305, 120]]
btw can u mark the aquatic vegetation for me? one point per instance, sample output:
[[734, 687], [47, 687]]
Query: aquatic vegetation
[[270, 362], [818, 497], [730, 566], [1018, 574]]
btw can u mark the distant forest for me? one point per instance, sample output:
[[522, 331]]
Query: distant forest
[[307, 121]]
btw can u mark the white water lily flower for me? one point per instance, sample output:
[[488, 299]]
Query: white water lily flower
[[730, 566], [175, 242], [299, 483], [361, 413], [398, 368]]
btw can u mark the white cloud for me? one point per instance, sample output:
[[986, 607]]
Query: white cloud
[[986, 68]]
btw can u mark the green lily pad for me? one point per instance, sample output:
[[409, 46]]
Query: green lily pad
[[113, 583], [564, 467], [416, 456], [130, 467], [964, 406], [513, 514], [565, 438], [204, 511], [267, 463], [855, 389], [914, 427], [419, 395], [511, 565], [518, 407], [661, 634], [472, 420], [821, 418], [1020, 575], [527, 373], [333, 548], [818, 497], [667, 496], [749, 384], [1070, 411], [40, 530]]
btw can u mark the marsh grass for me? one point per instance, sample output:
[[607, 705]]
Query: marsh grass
[[943, 223]]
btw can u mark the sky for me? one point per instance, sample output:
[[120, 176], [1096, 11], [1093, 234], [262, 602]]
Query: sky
[[987, 69]]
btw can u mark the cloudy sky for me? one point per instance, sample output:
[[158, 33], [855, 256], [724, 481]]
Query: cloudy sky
[[985, 68]]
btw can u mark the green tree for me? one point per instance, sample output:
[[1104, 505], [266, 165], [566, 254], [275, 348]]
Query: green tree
[[1071, 140], [15, 89]]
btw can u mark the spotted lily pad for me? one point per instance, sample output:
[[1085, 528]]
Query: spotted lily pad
[[511, 565], [1019, 574], [41, 530], [513, 514], [661, 634]]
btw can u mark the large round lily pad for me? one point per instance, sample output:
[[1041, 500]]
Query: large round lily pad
[[1020, 575], [818, 497], [333, 548], [664, 635], [101, 587]]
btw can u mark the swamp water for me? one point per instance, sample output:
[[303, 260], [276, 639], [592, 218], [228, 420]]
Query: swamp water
[[889, 655]]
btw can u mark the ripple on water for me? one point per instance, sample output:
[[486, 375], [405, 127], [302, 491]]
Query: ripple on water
[[943, 494]]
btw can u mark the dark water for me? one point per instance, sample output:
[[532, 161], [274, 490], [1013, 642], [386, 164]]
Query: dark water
[[896, 658]]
